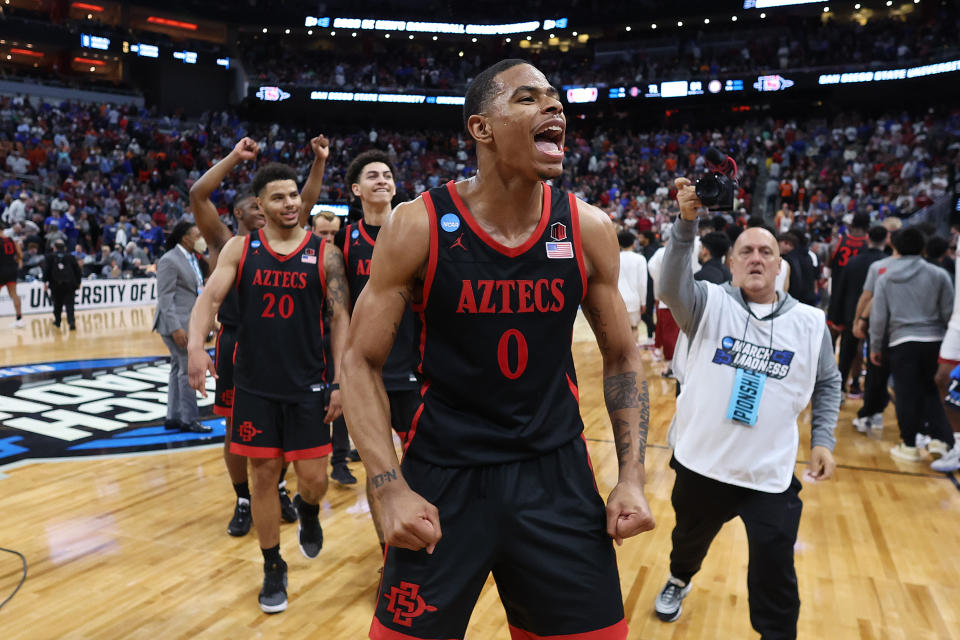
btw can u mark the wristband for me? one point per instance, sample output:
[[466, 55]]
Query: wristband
[[334, 386]]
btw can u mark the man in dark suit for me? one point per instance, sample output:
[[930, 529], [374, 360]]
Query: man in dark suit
[[179, 281], [61, 273], [713, 250]]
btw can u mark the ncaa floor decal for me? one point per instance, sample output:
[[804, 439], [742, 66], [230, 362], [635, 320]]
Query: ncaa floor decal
[[92, 407]]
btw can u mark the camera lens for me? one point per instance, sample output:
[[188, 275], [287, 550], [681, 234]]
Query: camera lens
[[708, 189]]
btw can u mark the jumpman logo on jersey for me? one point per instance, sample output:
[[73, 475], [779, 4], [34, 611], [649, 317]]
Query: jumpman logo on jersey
[[459, 243]]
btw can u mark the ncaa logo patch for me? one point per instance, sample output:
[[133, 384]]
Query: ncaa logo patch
[[255, 244], [727, 343], [450, 222], [355, 234]]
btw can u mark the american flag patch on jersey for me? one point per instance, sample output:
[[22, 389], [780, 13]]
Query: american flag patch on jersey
[[308, 259], [559, 250]]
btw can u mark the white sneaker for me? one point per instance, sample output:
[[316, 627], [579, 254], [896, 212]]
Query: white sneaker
[[937, 447], [949, 462], [905, 453], [876, 422], [922, 441], [19, 324], [864, 424]]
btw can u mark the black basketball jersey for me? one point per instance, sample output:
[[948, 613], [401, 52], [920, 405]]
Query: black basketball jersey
[[229, 313], [8, 254], [499, 381], [398, 370], [281, 301], [848, 247]]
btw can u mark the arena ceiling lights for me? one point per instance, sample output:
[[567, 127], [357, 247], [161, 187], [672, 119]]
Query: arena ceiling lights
[[772, 4], [411, 26]]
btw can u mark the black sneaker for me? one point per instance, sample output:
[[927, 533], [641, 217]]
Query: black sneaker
[[309, 532], [287, 512], [353, 455], [341, 475], [670, 599], [240, 523], [273, 595]]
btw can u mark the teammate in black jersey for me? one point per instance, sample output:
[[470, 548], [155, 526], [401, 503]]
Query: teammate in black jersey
[[249, 217], [11, 258], [371, 178], [495, 460], [287, 279]]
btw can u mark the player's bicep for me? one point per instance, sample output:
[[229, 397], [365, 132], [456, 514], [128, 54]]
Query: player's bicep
[[208, 222], [338, 290]]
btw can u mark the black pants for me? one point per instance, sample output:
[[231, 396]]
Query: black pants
[[341, 443], [849, 344], [63, 296], [914, 366], [703, 505], [876, 397], [647, 316]]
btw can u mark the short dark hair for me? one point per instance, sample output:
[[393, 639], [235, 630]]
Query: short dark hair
[[909, 241], [935, 248], [861, 220], [717, 243], [272, 172], [177, 234], [482, 87], [362, 160], [718, 222], [246, 194], [877, 234], [626, 238], [789, 238]]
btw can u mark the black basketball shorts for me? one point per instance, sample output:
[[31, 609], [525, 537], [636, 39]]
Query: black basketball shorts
[[8, 275], [226, 353], [539, 525], [268, 428], [403, 406]]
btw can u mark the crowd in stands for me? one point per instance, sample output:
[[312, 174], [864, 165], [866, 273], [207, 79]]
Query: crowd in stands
[[111, 180]]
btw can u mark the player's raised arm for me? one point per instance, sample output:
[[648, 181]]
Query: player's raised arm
[[399, 261], [338, 314], [204, 212], [311, 188], [624, 381], [205, 309]]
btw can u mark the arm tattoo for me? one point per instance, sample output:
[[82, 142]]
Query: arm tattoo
[[599, 326], [620, 391], [337, 289], [384, 478]]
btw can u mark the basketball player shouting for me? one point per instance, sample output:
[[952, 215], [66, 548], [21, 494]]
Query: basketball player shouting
[[370, 177], [496, 475], [286, 280], [216, 233]]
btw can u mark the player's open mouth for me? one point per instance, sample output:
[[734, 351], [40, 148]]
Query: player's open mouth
[[549, 138]]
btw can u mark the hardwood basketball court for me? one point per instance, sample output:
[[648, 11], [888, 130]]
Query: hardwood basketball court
[[135, 546]]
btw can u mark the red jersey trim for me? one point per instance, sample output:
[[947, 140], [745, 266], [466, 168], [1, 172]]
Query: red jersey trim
[[577, 243], [614, 632], [346, 247], [416, 418], [363, 232], [308, 454], [323, 273], [216, 353], [573, 388], [243, 259], [432, 259], [380, 632], [255, 452], [279, 258], [510, 252]]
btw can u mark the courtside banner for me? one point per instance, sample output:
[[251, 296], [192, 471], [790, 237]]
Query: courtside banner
[[92, 294]]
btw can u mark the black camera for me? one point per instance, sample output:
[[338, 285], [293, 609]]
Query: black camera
[[718, 186], [716, 191]]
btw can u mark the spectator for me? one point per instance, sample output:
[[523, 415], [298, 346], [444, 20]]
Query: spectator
[[61, 274]]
